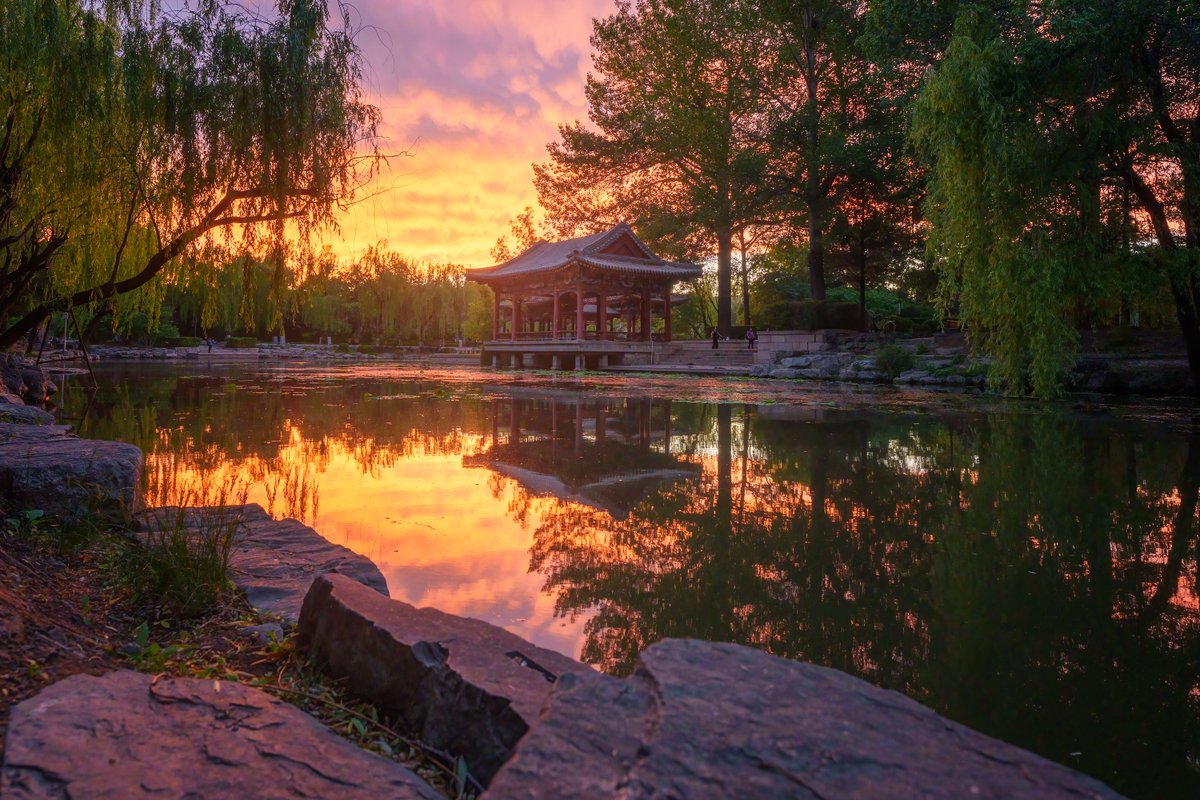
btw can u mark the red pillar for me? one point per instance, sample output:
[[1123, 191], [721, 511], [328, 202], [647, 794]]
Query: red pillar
[[645, 316], [516, 325], [580, 330], [601, 314], [495, 315], [667, 316], [554, 318]]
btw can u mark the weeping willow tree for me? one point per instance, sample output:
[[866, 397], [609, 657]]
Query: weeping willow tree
[[1005, 220], [132, 134], [1061, 140]]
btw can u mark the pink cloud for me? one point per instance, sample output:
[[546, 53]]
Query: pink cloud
[[476, 89]]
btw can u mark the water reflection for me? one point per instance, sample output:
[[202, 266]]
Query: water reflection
[[1031, 575]]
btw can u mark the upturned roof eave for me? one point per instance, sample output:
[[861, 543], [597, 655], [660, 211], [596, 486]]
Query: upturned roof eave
[[665, 269]]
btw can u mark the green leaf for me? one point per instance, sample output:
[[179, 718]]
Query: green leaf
[[142, 635]]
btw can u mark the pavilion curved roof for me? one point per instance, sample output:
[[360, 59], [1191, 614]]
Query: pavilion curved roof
[[590, 251]]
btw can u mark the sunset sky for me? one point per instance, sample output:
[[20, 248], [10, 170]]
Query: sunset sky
[[474, 90]]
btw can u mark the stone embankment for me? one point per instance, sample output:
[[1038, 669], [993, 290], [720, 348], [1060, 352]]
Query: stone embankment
[[696, 719], [861, 359], [305, 352]]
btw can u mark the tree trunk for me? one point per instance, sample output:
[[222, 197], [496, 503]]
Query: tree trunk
[[724, 280], [816, 253], [745, 279], [813, 193]]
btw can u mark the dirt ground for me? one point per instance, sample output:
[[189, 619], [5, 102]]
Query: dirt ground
[[56, 619]]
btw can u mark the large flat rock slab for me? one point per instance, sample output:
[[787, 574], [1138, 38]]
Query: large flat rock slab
[[125, 736], [464, 685], [705, 720], [41, 467], [275, 561]]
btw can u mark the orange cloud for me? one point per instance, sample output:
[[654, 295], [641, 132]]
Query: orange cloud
[[474, 90]]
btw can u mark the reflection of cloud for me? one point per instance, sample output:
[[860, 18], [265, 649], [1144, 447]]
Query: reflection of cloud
[[475, 90], [441, 540]]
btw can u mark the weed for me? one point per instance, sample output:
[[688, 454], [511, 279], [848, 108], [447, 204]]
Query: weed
[[892, 359], [181, 557]]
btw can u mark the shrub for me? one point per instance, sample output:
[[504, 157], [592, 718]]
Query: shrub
[[365, 348], [242, 342], [811, 315], [892, 359], [183, 341], [343, 348]]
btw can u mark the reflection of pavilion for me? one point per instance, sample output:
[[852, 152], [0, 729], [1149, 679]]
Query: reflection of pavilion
[[608, 454]]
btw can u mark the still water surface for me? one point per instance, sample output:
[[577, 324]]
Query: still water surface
[[1029, 573]]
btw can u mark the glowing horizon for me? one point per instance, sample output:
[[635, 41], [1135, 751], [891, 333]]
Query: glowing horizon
[[475, 96]]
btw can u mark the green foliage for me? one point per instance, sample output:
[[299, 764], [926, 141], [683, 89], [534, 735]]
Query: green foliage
[[811, 315], [181, 559], [892, 359], [241, 342], [1012, 285], [183, 341], [132, 136]]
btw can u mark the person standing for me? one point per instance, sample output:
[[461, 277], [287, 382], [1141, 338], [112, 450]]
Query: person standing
[[716, 339], [752, 338]]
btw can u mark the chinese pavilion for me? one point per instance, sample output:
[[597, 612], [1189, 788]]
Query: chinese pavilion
[[606, 287]]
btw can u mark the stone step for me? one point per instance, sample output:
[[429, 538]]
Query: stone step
[[131, 735]]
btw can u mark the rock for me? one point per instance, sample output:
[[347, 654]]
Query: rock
[[701, 720], [864, 371], [10, 374], [463, 685], [37, 385], [126, 735], [760, 371], [912, 377], [273, 561], [24, 415], [67, 477], [785, 372], [263, 634], [8, 398], [797, 362]]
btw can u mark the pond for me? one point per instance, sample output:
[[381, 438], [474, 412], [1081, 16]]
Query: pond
[[1029, 572]]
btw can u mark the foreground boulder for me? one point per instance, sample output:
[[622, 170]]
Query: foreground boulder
[[704, 720], [41, 467], [463, 685], [126, 735], [273, 561]]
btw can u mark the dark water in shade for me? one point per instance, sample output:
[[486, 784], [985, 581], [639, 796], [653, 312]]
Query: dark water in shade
[[1029, 572]]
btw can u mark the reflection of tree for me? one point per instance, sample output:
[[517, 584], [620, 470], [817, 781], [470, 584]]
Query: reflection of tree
[[1033, 577], [280, 434]]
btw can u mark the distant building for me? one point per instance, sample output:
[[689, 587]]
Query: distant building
[[605, 287]]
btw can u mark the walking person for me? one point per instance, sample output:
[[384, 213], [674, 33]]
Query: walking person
[[752, 338], [208, 341], [716, 338]]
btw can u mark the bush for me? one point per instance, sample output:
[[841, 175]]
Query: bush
[[343, 348], [242, 342], [183, 341], [892, 359], [365, 348], [811, 315]]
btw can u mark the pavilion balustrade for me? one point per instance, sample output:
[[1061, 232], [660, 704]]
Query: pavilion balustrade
[[581, 314]]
